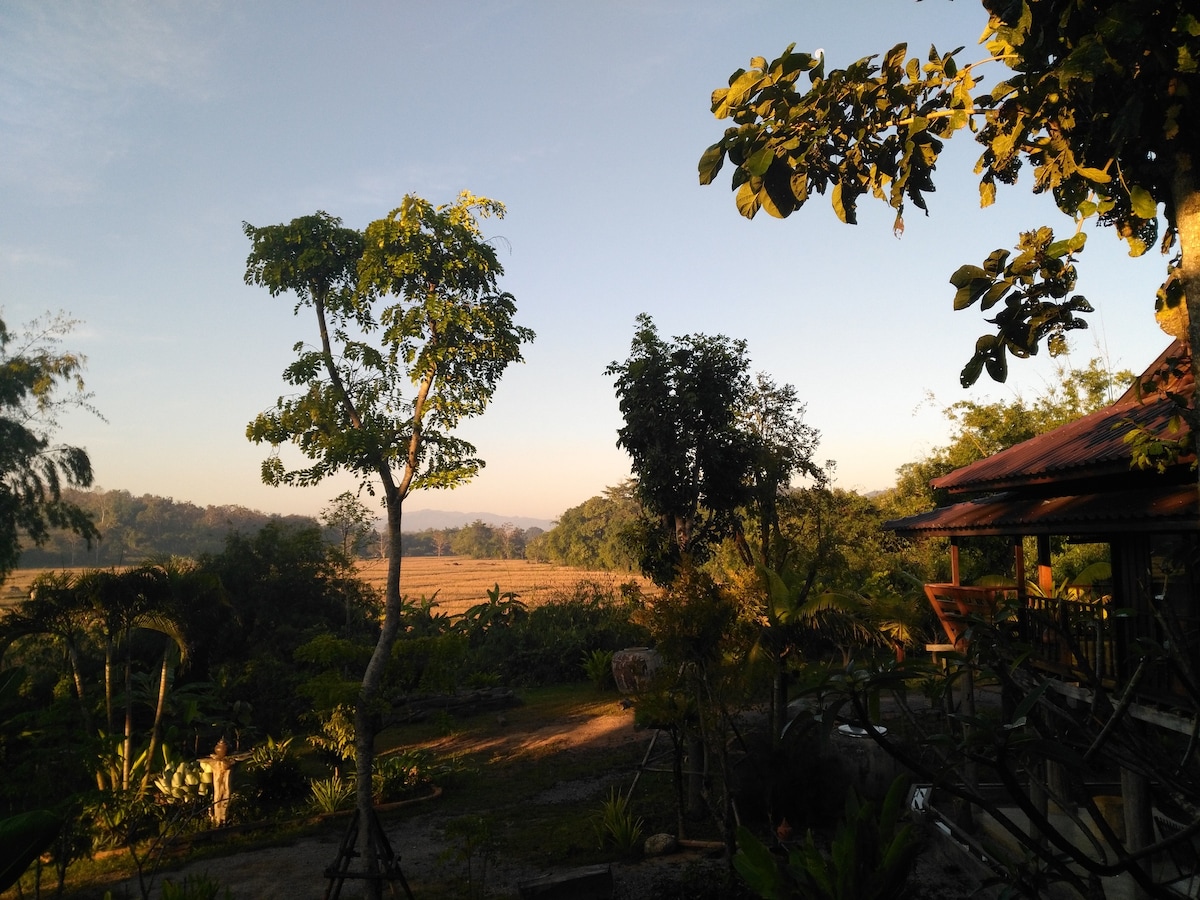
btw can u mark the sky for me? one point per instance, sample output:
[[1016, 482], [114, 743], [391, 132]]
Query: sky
[[136, 138]]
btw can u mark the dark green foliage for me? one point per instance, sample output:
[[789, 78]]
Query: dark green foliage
[[597, 534], [136, 529], [431, 664], [1097, 98], [270, 780], [681, 402], [597, 665], [34, 470], [23, 838], [869, 859], [546, 647], [285, 587]]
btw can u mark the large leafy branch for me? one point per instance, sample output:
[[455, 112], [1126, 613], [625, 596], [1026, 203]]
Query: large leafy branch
[[1097, 98]]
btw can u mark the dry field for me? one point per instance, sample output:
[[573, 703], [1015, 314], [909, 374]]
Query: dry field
[[460, 582]]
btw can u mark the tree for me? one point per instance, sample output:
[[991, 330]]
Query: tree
[[478, 540], [1099, 98], [33, 469], [681, 400], [350, 519], [414, 336], [594, 534]]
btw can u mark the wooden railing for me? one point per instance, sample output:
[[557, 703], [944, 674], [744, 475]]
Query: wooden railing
[[1073, 633], [1078, 635]]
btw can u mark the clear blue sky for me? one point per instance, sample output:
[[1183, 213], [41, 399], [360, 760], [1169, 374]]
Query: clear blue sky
[[135, 138]]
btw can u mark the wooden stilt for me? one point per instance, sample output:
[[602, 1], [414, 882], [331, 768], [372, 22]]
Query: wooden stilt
[[389, 863]]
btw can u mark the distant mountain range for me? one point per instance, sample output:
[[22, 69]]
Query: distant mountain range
[[424, 519]]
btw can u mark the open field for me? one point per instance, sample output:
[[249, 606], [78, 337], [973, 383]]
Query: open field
[[460, 582]]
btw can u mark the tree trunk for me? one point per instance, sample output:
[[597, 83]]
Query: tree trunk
[[164, 676], [127, 760], [779, 701], [365, 714]]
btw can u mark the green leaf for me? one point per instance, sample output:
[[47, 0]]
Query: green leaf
[[964, 275], [756, 864], [747, 200], [971, 371], [1031, 699], [995, 294], [894, 58], [1098, 176], [739, 92], [23, 838], [711, 162], [996, 262], [997, 367], [1142, 202], [759, 162], [836, 197]]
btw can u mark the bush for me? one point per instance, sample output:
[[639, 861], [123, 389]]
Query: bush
[[273, 779], [597, 665], [546, 646], [617, 827], [331, 795]]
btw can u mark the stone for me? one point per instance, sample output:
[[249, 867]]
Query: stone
[[660, 845]]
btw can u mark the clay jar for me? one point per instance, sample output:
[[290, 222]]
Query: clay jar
[[634, 667]]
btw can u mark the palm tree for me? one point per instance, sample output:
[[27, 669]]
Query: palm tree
[[54, 609], [179, 585]]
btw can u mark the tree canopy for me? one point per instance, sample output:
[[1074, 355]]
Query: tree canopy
[[680, 400], [1099, 99], [34, 373]]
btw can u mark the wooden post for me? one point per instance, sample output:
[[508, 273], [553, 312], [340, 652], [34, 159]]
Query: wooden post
[[1139, 829], [955, 576], [1045, 574]]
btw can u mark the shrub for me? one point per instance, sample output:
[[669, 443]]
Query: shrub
[[870, 858], [398, 776], [597, 665], [546, 645], [617, 827], [331, 794], [273, 778]]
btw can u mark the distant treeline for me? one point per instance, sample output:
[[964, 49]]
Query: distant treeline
[[479, 540], [136, 529]]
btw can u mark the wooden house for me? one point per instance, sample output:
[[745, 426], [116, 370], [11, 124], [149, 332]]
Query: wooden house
[[1091, 643], [1077, 482]]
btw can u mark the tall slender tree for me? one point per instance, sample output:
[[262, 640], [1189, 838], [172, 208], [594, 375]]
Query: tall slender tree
[[414, 335]]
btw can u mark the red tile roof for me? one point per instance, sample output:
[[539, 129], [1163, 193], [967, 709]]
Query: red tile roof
[[1086, 448], [1160, 507]]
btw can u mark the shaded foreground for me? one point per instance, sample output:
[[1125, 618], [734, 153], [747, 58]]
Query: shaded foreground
[[531, 782]]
